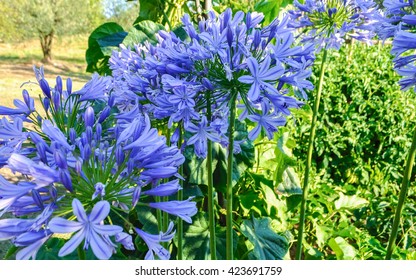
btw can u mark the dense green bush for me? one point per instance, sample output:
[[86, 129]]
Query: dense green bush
[[363, 134]]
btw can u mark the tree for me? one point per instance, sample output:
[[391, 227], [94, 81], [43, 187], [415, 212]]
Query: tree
[[46, 19]]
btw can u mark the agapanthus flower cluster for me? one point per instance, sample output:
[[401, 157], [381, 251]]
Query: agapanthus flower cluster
[[399, 23], [83, 167], [327, 23], [226, 60]]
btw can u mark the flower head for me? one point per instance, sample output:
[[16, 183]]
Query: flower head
[[88, 228], [328, 22]]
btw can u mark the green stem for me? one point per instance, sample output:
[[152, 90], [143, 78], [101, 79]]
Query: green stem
[[165, 216], [229, 191], [309, 158], [180, 198], [211, 213], [402, 196], [159, 216], [81, 252]]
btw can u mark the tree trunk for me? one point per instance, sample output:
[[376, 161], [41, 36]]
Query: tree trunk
[[46, 43], [208, 5]]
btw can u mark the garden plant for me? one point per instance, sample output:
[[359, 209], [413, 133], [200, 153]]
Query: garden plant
[[226, 134]]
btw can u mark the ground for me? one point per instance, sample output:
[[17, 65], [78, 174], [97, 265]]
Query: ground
[[16, 68]]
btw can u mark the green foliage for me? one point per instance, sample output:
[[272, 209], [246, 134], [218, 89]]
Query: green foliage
[[100, 45], [196, 239], [167, 13], [362, 139], [108, 36], [271, 8], [268, 245]]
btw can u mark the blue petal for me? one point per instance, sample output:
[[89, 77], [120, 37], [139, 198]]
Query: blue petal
[[253, 66], [30, 251], [72, 244], [246, 79], [254, 133], [107, 229], [273, 73], [79, 211], [254, 92], [101, 249], [60, 225], [99, 212]]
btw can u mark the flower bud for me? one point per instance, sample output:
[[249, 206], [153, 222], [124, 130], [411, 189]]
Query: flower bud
[[60, 159], [104, 114], [72, 135], [45, 88], [89, 116], [46, 103], [59, 84], [65, 178], [37, 198], [69, 85]]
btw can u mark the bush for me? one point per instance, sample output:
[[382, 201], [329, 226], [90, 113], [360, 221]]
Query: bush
[[363, 135]]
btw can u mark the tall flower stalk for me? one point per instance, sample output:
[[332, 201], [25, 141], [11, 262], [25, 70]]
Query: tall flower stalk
[[402, 196], [312, 132], [326, 23], [229, 190], [211, 190], [399, 22]]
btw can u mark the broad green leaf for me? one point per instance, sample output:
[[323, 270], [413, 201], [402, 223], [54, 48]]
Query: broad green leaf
[[100, 44], [293, 201], [134, 37], [196, 239], [251, 201], [270, 8], [147, 218], [149, 28], [342, 249], [290, 184], [350, 202], [323, 233], [150, 10], [268, 245]]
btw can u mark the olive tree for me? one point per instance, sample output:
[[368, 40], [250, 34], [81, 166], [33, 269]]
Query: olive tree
[[47, 19]]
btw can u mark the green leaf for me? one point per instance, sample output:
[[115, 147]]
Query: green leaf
[[342, 249], [147, 219], [268, 245], [12, 250], [149, 28], [270, 9], [350, 202], [100, 44], [149, 10], [323, 233], [196, 239], [290, 184], [134, 37]]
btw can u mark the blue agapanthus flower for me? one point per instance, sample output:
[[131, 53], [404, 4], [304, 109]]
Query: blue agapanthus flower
[[81, 159], [190, 83], [398, 21], [327, 23]]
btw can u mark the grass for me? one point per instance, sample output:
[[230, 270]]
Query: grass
[[17, 61]]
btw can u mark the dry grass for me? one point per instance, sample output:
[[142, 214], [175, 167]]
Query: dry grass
[[17, 61]]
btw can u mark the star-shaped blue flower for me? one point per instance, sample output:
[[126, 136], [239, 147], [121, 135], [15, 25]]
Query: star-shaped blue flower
[[261, 76], [89, 228]]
